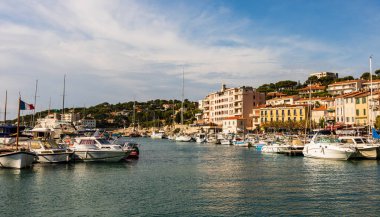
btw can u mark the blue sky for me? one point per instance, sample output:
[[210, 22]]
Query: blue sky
[[115, 51]]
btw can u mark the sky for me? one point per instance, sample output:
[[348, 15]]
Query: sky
[[123, 50]]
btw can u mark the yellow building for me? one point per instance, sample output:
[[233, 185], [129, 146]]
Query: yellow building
[[283, 113], [361, 108]]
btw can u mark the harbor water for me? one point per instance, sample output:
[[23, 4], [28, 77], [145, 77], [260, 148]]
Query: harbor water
[[189, 179]]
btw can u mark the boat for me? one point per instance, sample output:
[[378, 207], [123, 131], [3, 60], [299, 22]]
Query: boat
[[200, 138], [157, 135], [183, 138], [97, 149], [46, 149], [364, 148], [328, 147], [131, 148], [16, 159]]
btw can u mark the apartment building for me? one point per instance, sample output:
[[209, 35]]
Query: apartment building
[[316, 101], [361, 108], [230, 102], [233, 125], [284, 100], [282, 113], [344, 87], [311, 90], [324, 74], [375, 85]]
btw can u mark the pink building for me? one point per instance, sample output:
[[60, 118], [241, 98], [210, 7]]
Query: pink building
[[229, 102]]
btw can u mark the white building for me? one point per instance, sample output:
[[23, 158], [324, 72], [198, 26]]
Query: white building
[[285, 100], [233, 125], [88, 123], [324, 74], [343, 87]]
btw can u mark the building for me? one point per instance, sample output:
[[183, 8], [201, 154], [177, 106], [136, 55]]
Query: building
[[283, 113], [233, 125], [375, 85], [311, 90], [88, 123], [343, 87], [361, 108], [70, 117], [315, 101], [229, 102], [319, 114], [324, 74], [285, 100]]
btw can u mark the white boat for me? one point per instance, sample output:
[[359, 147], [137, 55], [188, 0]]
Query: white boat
[[183, 138], [363, 147], [327, 147], [241, 143], [225, 142], [272, 147], [97, 149], [46, 149], [200, 138], [16, 159], [157, 135]]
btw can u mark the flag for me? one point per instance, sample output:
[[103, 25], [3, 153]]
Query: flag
[[26, 106]]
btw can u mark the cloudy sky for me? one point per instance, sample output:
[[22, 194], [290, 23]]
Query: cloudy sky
[[117, 50]]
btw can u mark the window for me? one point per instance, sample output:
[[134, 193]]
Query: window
[[262, 112], [283, 112], [294, 119], [364, 112], [288, 118], [294, 112], [276, 112], [347, 119], [288, 112], [265, 113], [271, 112], [300, 118], [300, 111], [352, 119], [357, 100], [364, 100], [271, 119], [357, 112]]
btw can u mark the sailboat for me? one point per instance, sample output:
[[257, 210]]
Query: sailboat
[[155, 134], [17, 158], [182, 137]]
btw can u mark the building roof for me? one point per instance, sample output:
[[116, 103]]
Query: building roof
[[352, 94], [321, 108], [346, 82], [284, 97], [373, 81], [285, 105], [316, 98], [276, 94], [234, 118]]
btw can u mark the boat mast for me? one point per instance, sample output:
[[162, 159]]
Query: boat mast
[[18, 121], [371, 104], [183, 93], [35, 101], [5, 109], [134, 115], [63, 95]]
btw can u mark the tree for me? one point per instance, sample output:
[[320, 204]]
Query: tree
[[311, 80], [377, 72], [377, 122], [365, 76]]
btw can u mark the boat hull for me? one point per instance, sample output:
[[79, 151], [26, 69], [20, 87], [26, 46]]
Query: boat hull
[[17, 159], [99, 155], [54, 157], [325, 153], [367, 152]]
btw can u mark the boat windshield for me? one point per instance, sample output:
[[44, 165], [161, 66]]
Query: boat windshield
[[104, 141], [327, 140], [359, 141]]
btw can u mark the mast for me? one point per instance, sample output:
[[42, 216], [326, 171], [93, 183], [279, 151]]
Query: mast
[[35, 101], [18, 121], [5, 109], [183, 93], [63, 96], [134, 114], [371, 104]]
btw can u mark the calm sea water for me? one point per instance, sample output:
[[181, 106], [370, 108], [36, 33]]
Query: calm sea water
[[188, 179]]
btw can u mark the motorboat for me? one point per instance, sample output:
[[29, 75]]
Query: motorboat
[[97, 149], [328, 147], [364, 148], [200, 138], [157, 135], [16, 159], [46, 149], [183, 138]]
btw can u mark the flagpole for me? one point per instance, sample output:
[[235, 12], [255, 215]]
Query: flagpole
[[18, 121]]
